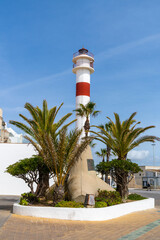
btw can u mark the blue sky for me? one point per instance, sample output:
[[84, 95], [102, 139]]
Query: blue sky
[[38, 38]]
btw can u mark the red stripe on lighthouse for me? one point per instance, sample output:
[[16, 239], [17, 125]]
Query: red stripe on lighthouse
[[83, 88]]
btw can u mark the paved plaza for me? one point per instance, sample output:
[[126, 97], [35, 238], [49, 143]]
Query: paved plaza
[[140, 225]]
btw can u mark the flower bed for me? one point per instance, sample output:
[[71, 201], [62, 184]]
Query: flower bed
[[84, 214]]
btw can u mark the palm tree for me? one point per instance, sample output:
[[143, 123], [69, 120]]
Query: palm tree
[[41, 124], [102, 155], [108, 149], [58, 149], [86, 111], [122, 138], [92, 144], [106, 126], [60, 154]]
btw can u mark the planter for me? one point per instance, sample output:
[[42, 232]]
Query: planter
[[85, 214]]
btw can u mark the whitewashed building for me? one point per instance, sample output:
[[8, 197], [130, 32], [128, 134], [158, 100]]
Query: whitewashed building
[[12, 149], [8, 135], [149, 174]]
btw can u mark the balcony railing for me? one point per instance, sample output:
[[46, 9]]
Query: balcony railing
[[91, 64], [83, 65], [84, 53]]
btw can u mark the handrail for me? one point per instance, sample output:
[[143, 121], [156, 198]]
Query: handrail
[[79, 64], [87, 53]]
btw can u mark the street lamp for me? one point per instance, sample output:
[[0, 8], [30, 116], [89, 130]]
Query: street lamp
[[153, 144]]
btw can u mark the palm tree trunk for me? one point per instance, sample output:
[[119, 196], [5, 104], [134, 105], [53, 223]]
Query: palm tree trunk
[[108, 153], [58, 194], [106, 177], [86, 126], [102, 172], [108, 156], [67, 193]]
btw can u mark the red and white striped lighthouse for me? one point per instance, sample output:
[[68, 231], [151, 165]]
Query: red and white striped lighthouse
[[82, 67]]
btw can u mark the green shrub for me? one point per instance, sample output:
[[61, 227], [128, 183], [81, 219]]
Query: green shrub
[[23, 202], [135, 197], [69, 204], [109, 197], [29, 197], [100, 204]]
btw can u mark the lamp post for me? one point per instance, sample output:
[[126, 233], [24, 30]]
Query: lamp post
[[153, 144]]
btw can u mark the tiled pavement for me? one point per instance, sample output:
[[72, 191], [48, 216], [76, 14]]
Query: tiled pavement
[[4, 215], [131, 226]]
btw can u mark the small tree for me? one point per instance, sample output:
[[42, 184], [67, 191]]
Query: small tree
[[122, 173], [86, 111], [31, 170]]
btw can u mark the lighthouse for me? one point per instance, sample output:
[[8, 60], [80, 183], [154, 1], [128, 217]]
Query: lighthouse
[[82, 178], [83, 68]]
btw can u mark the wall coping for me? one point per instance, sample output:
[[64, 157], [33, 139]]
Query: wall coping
[[85, 214]]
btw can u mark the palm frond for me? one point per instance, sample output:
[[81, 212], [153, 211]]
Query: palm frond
[[95, 113], [22, 126], [123, 136]]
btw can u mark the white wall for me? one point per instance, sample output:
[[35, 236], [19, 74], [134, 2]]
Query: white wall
[[85, 214], [9, 154]]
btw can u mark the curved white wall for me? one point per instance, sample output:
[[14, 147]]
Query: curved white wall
[[84, 214]]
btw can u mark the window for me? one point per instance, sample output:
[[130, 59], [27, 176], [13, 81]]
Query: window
[[151, 182]]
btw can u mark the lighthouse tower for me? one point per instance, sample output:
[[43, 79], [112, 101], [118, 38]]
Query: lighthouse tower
[[83, 68], [82, 178]]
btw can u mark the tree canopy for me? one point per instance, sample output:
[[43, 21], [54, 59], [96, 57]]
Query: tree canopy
[[86, 111], [28, 170], [121, 171], [41, 123]]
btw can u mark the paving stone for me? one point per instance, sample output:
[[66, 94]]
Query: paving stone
[[4, 215], [20, 227]]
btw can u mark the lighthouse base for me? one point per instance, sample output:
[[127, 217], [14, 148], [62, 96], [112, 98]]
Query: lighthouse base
[[83, 179]]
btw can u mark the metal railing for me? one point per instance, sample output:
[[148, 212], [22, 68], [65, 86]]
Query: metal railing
[[79, 53], [91, 65]]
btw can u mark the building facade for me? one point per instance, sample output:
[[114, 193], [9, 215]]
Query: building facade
[[4, 134], [149, 174], [8, 135]]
